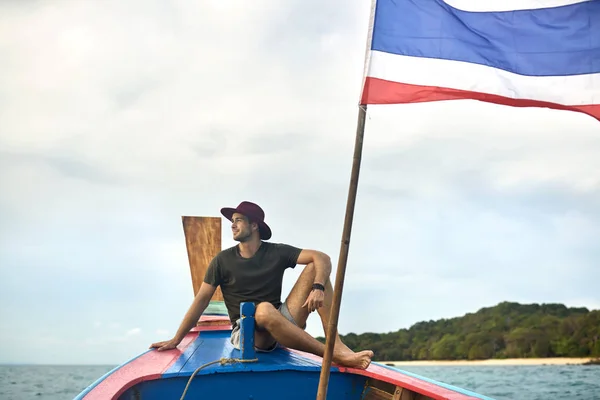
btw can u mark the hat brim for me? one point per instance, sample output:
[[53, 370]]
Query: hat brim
[[228, 212], [263, 228]]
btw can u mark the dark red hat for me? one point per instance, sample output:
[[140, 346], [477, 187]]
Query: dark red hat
[[254, 214]]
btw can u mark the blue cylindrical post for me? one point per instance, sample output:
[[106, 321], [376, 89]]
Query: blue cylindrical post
[[247, 310]]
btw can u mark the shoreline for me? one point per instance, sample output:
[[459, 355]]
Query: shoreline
[[506, 361]]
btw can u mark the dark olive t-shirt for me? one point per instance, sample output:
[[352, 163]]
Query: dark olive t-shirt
[[254, 279]]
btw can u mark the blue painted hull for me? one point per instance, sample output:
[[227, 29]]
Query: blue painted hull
[[290, 385], [281, 374]]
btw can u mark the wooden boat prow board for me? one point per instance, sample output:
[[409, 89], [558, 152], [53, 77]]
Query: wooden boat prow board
[[281, 374]]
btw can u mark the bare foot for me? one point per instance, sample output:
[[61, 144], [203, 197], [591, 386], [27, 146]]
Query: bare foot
[[341, 347], [360, 360]]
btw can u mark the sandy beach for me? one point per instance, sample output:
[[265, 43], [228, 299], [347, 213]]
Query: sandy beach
[[508, 361]]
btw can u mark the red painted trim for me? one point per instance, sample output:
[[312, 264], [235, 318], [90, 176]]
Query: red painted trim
[[379, 91], [396, 378], [149, 366], [214, 318], [211, 328], [417, 385], [212, 323]]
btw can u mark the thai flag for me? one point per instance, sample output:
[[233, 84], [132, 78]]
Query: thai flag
[[523, 53]]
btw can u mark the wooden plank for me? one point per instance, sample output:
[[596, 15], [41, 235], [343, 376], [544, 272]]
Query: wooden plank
[[401, 394], [373, 393], [203, 243], [423, 390], [381, 390]]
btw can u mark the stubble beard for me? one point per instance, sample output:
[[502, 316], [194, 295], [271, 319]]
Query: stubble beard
[[242, 237]]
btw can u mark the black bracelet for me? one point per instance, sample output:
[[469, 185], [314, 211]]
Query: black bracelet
[[318, 286]]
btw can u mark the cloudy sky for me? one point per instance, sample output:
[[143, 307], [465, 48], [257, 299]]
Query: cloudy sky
[[117, 118]]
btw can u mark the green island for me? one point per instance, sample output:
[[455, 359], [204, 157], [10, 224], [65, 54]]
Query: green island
[[507, 330]]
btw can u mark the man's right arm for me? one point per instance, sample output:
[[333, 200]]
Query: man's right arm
[[190, 319]]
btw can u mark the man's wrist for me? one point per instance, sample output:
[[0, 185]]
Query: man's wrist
[[318, 286]]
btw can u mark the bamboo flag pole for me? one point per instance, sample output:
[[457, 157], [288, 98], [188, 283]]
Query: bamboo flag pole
[[341, 268], [345, 246]]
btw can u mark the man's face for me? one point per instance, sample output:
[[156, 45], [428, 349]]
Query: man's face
[[241, 228]]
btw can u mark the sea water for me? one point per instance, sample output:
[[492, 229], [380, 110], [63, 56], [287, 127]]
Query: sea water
[[25, 382], [523, 382], [51, 382]]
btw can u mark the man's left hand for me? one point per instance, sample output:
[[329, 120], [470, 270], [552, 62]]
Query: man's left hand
[[315, 300]]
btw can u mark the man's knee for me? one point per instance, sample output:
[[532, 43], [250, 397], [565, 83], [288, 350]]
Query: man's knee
[[264, 313], [310, 269]]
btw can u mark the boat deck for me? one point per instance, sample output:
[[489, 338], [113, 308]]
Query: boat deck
[[214, 345], [155, 375]]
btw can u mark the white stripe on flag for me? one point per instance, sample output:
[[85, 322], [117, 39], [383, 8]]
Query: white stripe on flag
[[567, 90], [507, 5]]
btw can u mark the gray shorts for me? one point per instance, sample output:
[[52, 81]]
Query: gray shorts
[[235, 332]]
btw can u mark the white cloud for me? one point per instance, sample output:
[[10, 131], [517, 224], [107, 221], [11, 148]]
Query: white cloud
[[118, 119], [102, 339], [133, 332]]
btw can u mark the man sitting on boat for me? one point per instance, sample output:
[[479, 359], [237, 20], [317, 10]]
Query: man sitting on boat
[[252, 271]]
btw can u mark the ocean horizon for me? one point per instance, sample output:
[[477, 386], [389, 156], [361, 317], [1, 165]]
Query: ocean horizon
[[522, 382]]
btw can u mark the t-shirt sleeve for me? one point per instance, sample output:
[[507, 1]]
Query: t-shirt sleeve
[[213, 275], [289, 254]]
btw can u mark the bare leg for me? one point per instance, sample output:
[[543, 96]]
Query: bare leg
[[292, 336], [324, 314], [263, 339], [298, 296]]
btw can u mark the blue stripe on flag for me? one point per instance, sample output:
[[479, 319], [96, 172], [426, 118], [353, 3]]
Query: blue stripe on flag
[[543, 42]]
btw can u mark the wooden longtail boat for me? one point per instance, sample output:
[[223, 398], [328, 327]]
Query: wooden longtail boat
[[206, 366]]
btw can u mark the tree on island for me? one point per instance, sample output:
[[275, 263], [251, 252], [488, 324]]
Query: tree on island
[[507, 330]]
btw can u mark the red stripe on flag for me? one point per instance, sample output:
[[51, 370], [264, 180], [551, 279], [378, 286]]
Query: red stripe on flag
[[379, 91]]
